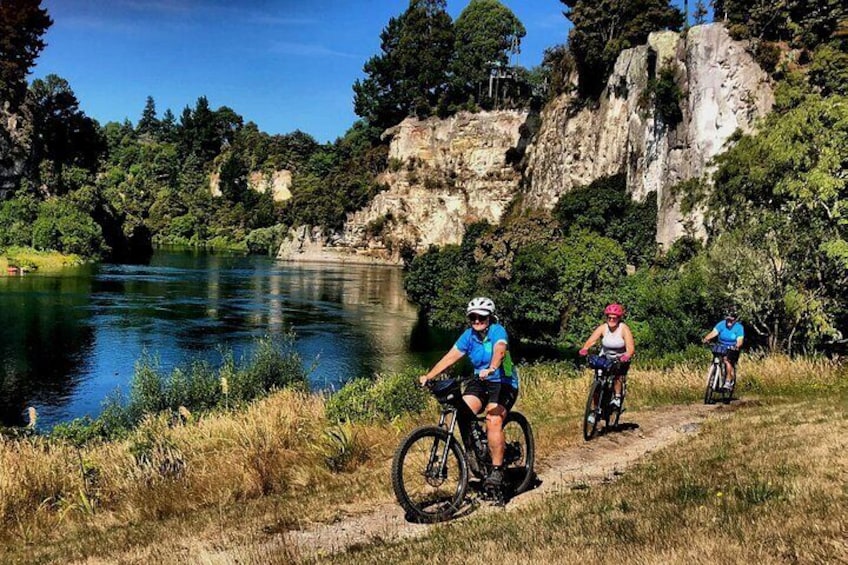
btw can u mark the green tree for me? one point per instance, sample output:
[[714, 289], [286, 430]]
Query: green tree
[[604, 28], [410, 74], [149, 124], [791, 174], [558, 289], [485, 32], [804, 23], [829, 70], [22, 27], [605, 207], [65, 136]]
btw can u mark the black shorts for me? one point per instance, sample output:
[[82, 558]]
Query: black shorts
[[733, 356], [492, 392]]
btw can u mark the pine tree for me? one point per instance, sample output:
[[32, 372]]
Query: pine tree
[[149, 124]]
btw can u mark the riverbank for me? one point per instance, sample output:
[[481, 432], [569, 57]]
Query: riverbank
[[27, 259], [226, 477]]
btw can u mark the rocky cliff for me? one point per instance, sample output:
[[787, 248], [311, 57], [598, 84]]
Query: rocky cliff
[[723, 89], [445, 174], [442, 176], [15, 143]]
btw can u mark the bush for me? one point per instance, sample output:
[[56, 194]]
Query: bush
[[62, 227], [16, 218], [265, 241], [388, 397]]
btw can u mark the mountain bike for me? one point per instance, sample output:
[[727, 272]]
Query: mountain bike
[[601, 393], [431, 467], [717, 376]]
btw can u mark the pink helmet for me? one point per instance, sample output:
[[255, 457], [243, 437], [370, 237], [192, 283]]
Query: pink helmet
[[614, 310]]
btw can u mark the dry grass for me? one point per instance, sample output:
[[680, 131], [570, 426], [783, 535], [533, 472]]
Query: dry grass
[[766, 486], [223, 479]]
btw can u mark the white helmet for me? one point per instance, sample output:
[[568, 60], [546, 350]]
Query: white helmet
[[482, 306]]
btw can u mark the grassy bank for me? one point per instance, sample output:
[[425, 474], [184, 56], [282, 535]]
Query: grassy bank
[[281, 463], [29, 259]]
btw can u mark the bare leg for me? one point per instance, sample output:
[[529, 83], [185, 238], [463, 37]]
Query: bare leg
[[495, 416]]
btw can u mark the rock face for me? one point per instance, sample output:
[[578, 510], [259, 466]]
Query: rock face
[[278, 182], [723, 90], [443, 175], [15, 144]]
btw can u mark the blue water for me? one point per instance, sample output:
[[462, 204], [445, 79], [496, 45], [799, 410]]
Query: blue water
[[69, 340]]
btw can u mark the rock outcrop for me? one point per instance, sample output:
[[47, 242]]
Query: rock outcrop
[[15, 144], [278, 182], [442, 176], [723, 89]]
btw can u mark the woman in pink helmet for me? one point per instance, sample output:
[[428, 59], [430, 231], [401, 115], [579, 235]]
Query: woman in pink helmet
[[616, 344]]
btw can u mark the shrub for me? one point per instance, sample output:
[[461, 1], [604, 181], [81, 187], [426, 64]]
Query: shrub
[[388, 397], [265, 241], [62, 227]]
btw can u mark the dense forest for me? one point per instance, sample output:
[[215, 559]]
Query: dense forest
[[113, 190]]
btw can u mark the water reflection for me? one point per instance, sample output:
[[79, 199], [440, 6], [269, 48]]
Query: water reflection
[[45, 340], [69, 341]]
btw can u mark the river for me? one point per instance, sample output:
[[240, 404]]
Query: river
[[69, 340]]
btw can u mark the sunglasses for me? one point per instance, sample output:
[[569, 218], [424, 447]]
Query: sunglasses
[[474, 318], [612, 317]]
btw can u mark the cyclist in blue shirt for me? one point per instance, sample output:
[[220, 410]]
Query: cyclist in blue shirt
[[495, 387], [731, 334]]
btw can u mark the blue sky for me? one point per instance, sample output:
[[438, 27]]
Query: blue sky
[[283, 64]]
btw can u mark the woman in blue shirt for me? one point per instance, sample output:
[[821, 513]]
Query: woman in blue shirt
[[495, 387], [730, 334]]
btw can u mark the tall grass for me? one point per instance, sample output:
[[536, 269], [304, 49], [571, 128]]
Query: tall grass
[[273, 365], [282, 459]]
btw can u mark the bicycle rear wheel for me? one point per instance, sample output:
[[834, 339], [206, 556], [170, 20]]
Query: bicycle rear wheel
[[712, 384], [589, 428], [519, 453], [429, 475]]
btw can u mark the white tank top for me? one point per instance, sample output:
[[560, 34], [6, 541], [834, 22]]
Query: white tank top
[[612, 345]]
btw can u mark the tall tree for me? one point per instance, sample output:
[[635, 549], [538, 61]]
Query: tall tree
[[64, 135], [485, 33], [410, 74], [22, 26], [604, 28], [149, 124]]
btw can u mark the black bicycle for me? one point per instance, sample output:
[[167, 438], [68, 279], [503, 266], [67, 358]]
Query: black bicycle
[[431, 468], [599, 403], [717, 376]]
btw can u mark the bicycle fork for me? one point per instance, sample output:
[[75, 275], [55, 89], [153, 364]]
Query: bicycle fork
[[437, 469]]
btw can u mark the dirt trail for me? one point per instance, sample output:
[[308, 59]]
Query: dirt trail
[[601, 459]]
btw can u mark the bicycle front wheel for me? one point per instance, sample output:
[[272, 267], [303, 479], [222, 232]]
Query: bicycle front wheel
[[519, 452], [589, 428], [429, 475]]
